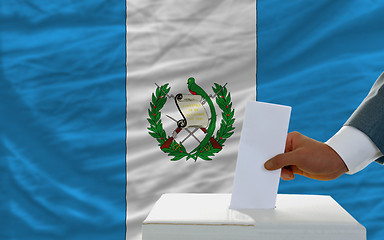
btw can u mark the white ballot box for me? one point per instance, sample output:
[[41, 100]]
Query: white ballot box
[[208, 217]]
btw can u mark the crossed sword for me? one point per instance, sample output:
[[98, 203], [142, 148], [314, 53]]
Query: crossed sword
[[191, 133], [215, 144]]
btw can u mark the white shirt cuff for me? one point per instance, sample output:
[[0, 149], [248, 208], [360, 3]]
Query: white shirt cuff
[[355, 148]]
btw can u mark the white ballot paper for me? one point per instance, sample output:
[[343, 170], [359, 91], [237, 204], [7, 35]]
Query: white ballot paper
[[263, 136]]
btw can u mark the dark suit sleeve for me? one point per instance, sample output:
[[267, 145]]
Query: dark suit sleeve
[[369, 116]]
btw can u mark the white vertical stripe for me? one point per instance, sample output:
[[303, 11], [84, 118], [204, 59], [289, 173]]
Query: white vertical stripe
[[167, 42]]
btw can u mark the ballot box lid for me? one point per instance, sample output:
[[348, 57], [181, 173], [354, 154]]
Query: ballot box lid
[[300, 213]]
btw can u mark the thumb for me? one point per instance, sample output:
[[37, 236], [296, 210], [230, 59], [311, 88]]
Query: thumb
[[281, 160]]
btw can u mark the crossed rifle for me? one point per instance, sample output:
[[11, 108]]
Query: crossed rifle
[[168, 143]]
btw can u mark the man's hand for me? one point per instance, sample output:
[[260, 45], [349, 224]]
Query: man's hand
[[307, 157]]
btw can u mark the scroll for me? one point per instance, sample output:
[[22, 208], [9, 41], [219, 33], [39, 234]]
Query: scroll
[[193, 112]]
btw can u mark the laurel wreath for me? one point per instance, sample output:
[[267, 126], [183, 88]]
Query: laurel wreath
[[176, 149]]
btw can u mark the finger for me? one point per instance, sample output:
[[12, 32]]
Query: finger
[[287, 174], [321, 177], [296, 170], [292, 137], [289, 141], [288, 144], [282, 160]]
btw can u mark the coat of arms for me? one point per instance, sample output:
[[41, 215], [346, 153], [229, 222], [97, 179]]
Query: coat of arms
[[195, 117]]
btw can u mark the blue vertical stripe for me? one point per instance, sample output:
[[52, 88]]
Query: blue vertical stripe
[[62, 119], [321, 58]]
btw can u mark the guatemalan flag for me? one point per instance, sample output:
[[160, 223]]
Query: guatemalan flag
[[80, 148]]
